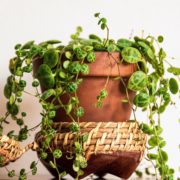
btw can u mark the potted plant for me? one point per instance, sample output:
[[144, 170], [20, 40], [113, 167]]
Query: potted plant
[[89, 88]]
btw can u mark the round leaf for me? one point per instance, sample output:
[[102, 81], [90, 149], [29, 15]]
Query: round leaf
[[173, 86], [141, 100], [138, 81], [131, 55], [51, 58], [45, 76], [122, 43]]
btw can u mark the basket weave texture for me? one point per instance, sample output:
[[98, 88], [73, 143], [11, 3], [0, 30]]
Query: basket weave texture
[[102, 137], [10, 149]]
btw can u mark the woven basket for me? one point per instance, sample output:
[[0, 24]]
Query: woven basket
[[10, 150], [103, 137]]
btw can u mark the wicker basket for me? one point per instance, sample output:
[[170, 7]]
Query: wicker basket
[[106, 138], [103, 137]]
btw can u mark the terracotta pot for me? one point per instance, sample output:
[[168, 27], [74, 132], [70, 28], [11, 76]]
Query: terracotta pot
[[113, 108], [120, 164]]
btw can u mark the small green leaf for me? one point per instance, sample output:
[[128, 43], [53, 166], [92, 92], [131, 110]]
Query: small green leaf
[[173, 86], [160, 39], [152, 156], [66, 64], [62, 74], [68, 54], [74, 67], [74, 127], [131, 55], [72, 87], [95, 37], [11, 173], [57, 153], [141, 100], [69, 108], [138, 81], [153, 141], [13, 109], [96, 14], [27, 45], [51, 58], [88, 48], [45, 76], [52, 164], [85, 69], [174, 70], [146, 128], [47, 94], [163, 156], [7, 91], [111, 48], [79, 112], [103, 26], [122, 43], [91, 57]]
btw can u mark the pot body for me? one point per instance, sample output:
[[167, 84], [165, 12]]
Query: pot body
[[121, 164], [113, 108]]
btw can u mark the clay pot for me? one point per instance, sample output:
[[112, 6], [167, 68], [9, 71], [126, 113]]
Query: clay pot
[[113, 108], [120, 164]]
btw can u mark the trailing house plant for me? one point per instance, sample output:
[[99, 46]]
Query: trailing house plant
[[61, 69]]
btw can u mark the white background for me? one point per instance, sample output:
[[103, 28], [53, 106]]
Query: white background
[[39, 20]]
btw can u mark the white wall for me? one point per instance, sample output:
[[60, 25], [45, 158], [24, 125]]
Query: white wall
[[23, 20]]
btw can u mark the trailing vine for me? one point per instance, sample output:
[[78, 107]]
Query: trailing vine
[[59, 74]]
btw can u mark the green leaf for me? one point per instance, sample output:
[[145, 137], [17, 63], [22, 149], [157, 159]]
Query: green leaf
[[174, 70], [131, 55], [53, 41], [79, 112], [72, 87], [13, 109], [141, 100], [146, 128], [11, 173], [69, 108], [68, 54], [85, 69], [95, 37], [111, 48], [62, 74], [51, 58], [76, 167], [160, 39], [52, 164], [153, 141], [163, 156], [7, 91], [103, 26], [27, 45], [173, 86], [45, 76], [66, 64], [158, 130], [74, 67], [152, 156], [96, 14], [91, 57], [47, 94], [88, 48], [74, 127], [138, 81], [122, 43], [57, 153]]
